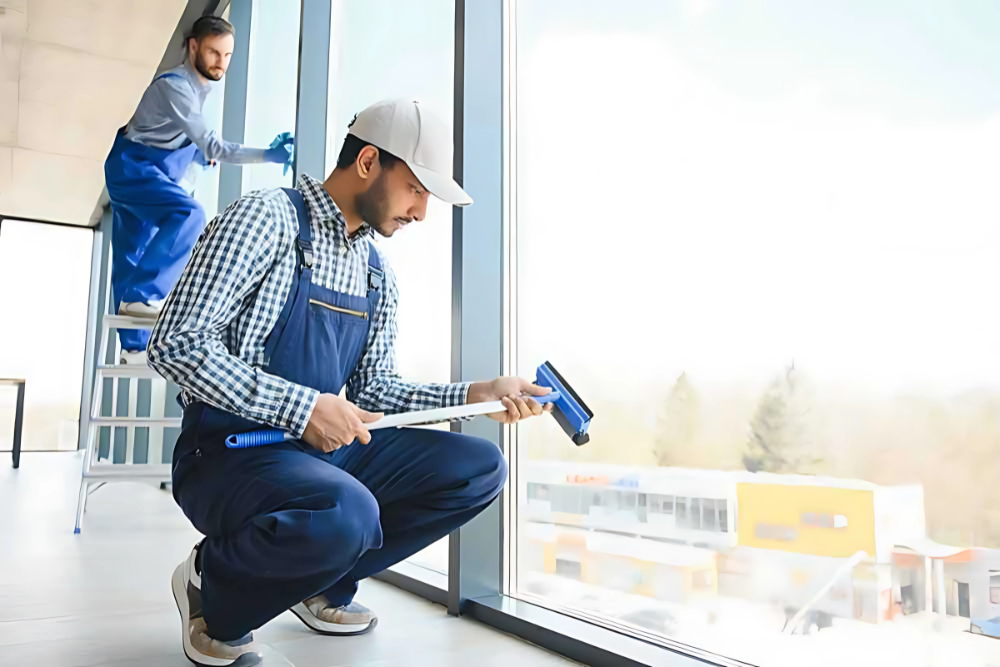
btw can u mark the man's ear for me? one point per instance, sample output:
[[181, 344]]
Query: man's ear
[[367, 159]]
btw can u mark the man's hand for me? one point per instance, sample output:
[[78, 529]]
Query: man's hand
[[511, 392], [336, 422]]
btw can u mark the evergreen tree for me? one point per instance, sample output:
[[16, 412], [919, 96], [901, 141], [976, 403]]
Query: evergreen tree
[[678, 423], [778, 436]]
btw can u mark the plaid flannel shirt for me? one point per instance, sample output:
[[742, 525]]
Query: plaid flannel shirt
[[210, 336]]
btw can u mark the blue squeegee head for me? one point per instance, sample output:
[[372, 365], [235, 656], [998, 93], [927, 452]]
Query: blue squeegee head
[[570, 411]]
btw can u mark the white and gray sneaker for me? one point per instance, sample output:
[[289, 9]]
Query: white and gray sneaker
[[149, 311], [133, 358], [198, 646], [319, 615]]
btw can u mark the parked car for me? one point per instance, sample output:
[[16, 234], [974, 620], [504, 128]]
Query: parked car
[[986, 626]]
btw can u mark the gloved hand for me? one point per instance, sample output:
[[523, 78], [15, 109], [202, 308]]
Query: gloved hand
[[282, 149], [199, 158]]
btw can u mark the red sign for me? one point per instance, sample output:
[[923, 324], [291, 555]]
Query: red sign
[[587, 479]]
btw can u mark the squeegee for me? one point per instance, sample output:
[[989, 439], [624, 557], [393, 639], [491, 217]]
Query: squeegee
[[569, 410]]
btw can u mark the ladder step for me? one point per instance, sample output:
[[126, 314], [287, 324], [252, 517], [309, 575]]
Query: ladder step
[[122, 471], [135, 421], [129, 372], [126, 322]]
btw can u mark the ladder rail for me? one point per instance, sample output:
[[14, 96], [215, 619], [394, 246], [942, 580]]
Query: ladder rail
[[95, 473], [157, 408], [133, 404]]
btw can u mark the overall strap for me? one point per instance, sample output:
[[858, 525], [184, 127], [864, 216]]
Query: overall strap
[[376, 276], [169, 75], [304, 240], [301, 279], [175, 75]]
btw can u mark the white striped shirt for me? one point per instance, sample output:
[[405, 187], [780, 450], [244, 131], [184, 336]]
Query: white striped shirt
[[210, 337]]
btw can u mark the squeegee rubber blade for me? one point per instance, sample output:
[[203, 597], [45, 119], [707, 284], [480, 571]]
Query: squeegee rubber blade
[[569, 389]]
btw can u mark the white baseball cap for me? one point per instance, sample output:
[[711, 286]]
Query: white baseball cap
[[418, 137]]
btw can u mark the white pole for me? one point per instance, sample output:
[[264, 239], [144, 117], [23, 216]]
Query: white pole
[[939, 581], [928, 585], [841, 571]]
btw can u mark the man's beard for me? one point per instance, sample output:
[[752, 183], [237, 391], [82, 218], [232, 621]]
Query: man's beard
[[202, 68], [372, 206]]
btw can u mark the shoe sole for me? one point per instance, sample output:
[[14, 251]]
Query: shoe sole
[[179, 588], [142, 315], [307, 619]]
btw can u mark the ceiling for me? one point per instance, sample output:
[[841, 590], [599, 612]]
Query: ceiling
[[71, 73]]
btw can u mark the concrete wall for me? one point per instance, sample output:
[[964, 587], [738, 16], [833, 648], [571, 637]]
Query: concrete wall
[[71, 73]]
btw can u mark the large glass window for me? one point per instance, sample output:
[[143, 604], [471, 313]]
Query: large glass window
[[206, 181], [773, 233], [44, 287], [391, 49], [272, 85]]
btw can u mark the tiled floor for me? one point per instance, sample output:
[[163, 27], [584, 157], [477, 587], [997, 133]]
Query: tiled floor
[[103, 597]]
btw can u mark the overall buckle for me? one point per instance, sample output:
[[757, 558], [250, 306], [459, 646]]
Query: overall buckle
[[375, 278], [306, 248]]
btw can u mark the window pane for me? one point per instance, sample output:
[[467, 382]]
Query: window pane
[[41, 265], [272, 87], [774, 229], [389, 49], [709, 517], [206, 180]]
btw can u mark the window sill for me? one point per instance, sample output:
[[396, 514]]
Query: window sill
[[578, 639], [418, 580]]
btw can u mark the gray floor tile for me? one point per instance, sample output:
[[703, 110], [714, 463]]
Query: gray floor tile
[[103, 598]]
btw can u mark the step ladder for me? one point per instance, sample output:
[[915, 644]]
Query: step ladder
[[98, 471]]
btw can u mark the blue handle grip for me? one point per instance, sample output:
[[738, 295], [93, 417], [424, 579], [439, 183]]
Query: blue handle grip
[[260, 438], [550, 397]]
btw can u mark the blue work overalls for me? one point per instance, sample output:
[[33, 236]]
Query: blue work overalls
[[155, 222], [286, 522]]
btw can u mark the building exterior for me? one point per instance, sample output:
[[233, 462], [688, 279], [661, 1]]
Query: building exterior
[[844, 548]]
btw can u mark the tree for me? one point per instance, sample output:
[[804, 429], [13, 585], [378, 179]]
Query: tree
[[778, 435], [678, 423]]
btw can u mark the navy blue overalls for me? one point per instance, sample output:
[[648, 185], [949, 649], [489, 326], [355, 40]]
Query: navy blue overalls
[[155, 222], [286, 522]]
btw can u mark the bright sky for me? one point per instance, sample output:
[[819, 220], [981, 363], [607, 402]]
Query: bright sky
[[692, 214]]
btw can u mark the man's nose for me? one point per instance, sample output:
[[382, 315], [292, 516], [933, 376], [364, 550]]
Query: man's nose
[[419, 211]]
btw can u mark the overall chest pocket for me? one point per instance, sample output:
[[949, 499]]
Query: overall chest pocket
[[338, 332]]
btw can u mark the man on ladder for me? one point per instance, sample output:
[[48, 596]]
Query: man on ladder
[[156, 221]]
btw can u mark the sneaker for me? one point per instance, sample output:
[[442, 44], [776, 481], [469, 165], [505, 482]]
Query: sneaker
[[198, 646], [149, 311], [133, 358], [319, 615]]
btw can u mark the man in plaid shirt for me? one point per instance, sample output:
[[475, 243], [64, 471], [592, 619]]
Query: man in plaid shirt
[[285, 302]]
